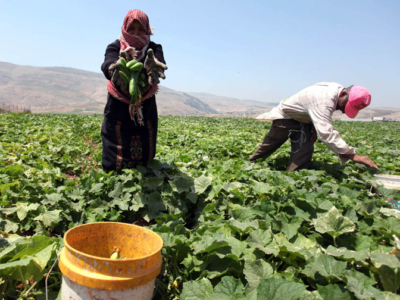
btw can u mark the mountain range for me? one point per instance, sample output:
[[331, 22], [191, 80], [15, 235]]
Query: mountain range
[[69, 90], [66, 90]]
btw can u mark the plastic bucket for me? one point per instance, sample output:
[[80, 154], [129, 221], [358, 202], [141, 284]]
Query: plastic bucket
[[390, 182], [89, 273]]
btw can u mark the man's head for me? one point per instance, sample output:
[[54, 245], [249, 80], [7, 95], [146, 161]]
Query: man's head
[[352, 100]]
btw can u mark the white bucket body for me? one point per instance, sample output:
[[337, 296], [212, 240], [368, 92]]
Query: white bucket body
[[389, 181], [73, 291]]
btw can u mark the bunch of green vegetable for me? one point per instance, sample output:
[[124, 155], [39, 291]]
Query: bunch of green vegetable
[[130, 73]]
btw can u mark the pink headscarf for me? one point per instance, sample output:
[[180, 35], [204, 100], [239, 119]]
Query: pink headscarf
[[139, 42]]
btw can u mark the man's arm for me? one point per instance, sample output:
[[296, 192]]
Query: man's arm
[[322, 122]]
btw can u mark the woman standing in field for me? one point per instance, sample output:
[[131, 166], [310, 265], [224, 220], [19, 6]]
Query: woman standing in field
[[129, 132]]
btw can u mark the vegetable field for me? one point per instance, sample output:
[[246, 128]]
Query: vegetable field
[[231, 229]]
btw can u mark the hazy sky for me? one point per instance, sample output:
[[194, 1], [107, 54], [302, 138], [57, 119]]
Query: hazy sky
[[261, 50]]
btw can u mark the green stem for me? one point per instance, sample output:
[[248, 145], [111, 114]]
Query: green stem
[[21, 295], [27, 292]]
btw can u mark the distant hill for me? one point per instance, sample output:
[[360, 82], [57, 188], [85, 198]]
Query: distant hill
[[233, 106], [58, 89]]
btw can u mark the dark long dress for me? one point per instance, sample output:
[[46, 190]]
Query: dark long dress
[[125, 143]]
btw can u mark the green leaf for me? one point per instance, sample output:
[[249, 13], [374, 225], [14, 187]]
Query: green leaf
[[390, 212], [263, 188], [77, 194], [262, 240], [49, 218], [361, 285], [325, 266], [154, 205], [201, 184], [196, 290], [52, 199], [348, 255], [229, 288], [153, 183], [388, 268], [243, 227], [210, 243], [9, 226], [390, 296], [97, 188], [180, 184], [35, 245], [25, 269], [117, 192], [231, 186], [333, 223], [24, 208], [290, 228], [314, 295], [256, 270], [136, 203], [334, 292], [122, 202], [278, 288]]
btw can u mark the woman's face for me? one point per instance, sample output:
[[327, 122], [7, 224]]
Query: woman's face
[[136, 28]]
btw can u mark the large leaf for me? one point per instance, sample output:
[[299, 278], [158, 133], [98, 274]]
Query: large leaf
[[278, 288], [334, 292], [228, 289], [256, 270], [196, 290], [333, 223], [326, 266], [388, 268], [201, 184], [210, 243], [263, 241], [30, 267], [50, 218]]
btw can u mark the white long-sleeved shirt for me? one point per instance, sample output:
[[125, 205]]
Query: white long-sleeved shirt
[[314, 104]]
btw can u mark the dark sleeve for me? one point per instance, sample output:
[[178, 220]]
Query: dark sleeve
[[158, 52], [111, 56]]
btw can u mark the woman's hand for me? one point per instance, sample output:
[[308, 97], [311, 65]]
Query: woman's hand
[[154, 68]]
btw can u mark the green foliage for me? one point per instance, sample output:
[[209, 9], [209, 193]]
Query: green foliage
[[231, 229]]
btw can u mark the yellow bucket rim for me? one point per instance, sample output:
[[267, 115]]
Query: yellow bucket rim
[[109, 259]]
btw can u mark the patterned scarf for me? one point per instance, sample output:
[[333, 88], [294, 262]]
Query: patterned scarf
[[140, 43]]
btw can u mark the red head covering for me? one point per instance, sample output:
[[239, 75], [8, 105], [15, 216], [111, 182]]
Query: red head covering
[[139, 42]]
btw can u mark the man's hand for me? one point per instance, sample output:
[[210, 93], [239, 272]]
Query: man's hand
[[154, 68], [365, 160], [314, 135]]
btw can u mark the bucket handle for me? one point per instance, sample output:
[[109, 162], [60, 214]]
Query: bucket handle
[[159, 277], [47, 276]]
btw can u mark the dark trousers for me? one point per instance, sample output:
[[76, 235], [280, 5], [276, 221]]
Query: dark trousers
[[302, 148]]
